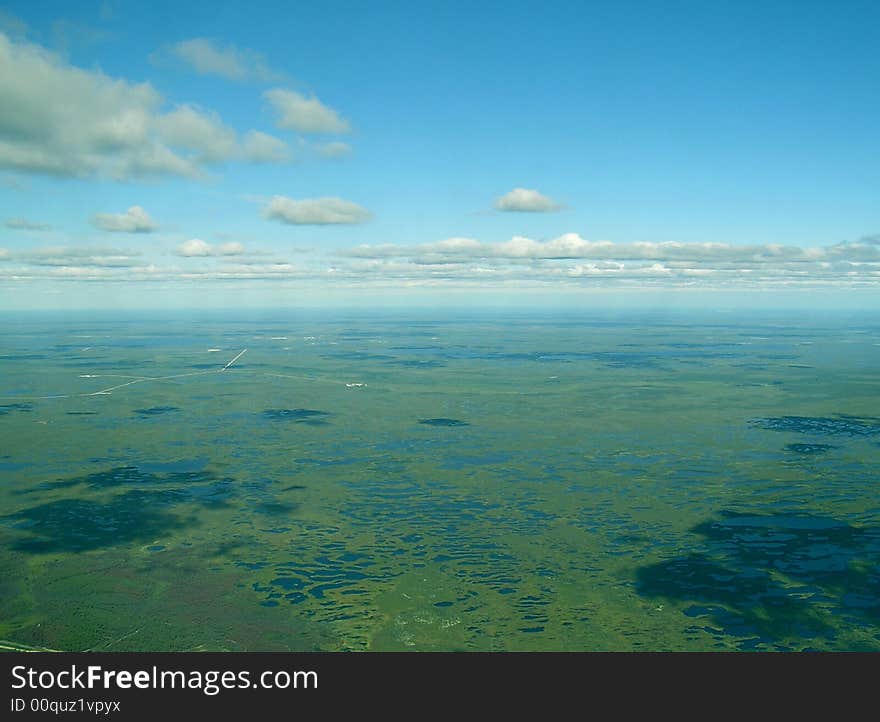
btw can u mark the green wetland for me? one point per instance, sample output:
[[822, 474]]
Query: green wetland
[[375, 481]]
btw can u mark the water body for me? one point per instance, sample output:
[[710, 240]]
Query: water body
[[624, 481]]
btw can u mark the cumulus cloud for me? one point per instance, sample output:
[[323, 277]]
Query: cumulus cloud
[[336, 149], [60, 120], [207, 57], [261, 147], [197, 248], [315, 211], [23, 224], [523, 200], [305, 115], [199, 131], [194, 247], [134, 220]]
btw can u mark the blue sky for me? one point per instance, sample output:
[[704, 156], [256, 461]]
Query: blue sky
[[275, 153]]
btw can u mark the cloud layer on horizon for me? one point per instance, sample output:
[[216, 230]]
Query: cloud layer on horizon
[[572, 259], [565, 263]]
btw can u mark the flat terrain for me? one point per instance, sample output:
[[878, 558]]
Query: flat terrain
[[376, 482]]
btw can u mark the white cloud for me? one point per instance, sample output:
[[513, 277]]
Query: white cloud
[[573, 246], [134, 220], [194, 247], [457, 245], [206, 57], [247, 271], [264, 148], [60, 120], [122, 269], [23, 224], [336, 149], [62, 256], [199, 131], [302, 114], [230, 248], [523, 200], [570, 258], [197, 248], [315, 211], [519, 264]]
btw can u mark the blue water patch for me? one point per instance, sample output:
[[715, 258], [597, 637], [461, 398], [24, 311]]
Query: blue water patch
[[767, 577], [311, 417], [155, 411], [20, 407], [780, 521], [168, 467], [465, 461], [810, 449], [840, 424]]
